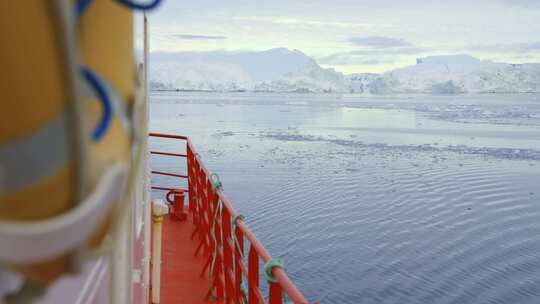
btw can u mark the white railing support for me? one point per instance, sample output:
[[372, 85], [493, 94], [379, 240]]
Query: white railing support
[[159, 209]]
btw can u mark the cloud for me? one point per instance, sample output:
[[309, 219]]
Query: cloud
[[379, 42], [197, 37], [371, 56], [360, 57], [351, 59], [522, 3], [391, 51], [375, 62], [373, 51], [507, 48], [305, 22]]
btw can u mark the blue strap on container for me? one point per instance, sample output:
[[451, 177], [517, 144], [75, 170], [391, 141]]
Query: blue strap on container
[[140, 6], [93, 79], [82, 5], [97, 85]]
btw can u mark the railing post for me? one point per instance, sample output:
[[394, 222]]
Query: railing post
[[253, 275], [238, 262], [207, 212], [227, 256], [275, 294], [190, 178], [216, 229]]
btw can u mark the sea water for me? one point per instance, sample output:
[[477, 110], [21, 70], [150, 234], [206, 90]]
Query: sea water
[[378, 199]]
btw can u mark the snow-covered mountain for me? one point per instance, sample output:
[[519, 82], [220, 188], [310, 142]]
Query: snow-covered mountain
[[283, 70], [272, 70]]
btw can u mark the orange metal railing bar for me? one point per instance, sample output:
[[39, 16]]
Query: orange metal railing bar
[[219, 245], [169, 189], [167, 153], [168, 136], [169, 174]]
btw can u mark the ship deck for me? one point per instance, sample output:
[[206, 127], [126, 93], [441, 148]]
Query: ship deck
[[237, 255], [181, 280]]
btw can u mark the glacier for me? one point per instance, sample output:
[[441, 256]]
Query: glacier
[[284, 70], [459, 74], [274, 70]]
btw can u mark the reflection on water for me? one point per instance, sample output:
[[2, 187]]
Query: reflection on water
[[379, 200], [369, 118]]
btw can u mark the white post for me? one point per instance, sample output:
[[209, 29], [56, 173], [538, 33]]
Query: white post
[[147, 214], [159, 209], [122, 255]]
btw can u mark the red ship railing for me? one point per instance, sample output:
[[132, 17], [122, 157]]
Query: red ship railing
[[222, 233]]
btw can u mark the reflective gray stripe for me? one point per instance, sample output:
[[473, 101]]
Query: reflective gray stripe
[[28, 160]]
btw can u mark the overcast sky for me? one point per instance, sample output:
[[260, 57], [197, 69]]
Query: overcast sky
[[354, 35]]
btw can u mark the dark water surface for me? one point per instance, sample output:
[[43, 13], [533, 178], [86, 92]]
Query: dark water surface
[[413, 199]]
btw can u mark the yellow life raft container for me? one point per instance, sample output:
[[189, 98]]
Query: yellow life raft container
[[69, 86]]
